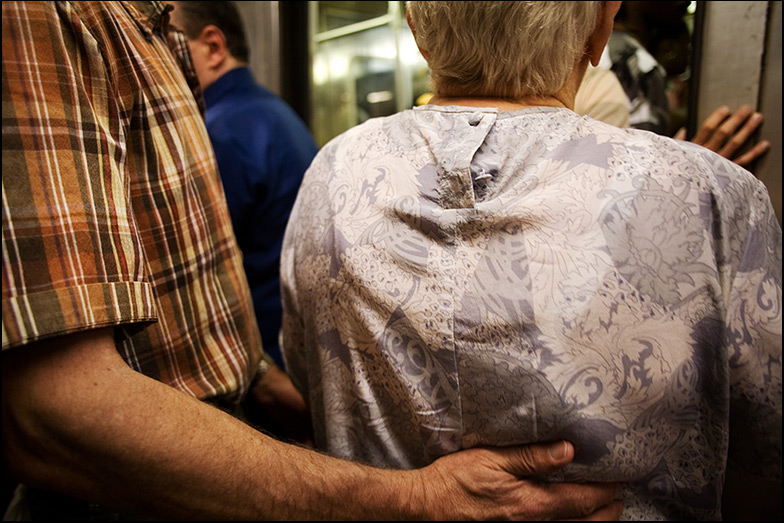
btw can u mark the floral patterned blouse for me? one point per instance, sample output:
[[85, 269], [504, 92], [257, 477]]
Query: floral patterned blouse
[[455, 277]]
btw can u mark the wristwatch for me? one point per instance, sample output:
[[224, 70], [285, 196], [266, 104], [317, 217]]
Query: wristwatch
[[264, 365]]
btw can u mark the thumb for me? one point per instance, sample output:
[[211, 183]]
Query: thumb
[[681, 134], [538, 459]]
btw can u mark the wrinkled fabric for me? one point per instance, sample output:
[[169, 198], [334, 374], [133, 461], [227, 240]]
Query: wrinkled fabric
[[455, 277]]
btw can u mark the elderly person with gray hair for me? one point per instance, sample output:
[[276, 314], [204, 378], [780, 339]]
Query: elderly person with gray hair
[[494, 269]]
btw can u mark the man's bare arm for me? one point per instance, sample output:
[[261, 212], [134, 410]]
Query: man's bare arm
[[78, 420]]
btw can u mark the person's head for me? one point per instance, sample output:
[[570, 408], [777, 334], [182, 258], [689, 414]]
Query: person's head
[[216, 37], [504, 49]]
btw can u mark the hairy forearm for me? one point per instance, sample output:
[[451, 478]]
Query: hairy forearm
[[79, 421]]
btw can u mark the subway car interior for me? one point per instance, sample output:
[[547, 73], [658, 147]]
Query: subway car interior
[[338, 63]]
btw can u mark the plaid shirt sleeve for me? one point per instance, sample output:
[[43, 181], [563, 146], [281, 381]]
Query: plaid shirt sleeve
[[113, 212]]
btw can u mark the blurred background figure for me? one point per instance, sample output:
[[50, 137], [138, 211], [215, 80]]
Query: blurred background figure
[[643, 78], [649, 52], [648, 47], [601, 96], [261, 145]]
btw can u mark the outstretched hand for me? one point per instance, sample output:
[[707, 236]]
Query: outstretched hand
[[500, 484], [725, 133]]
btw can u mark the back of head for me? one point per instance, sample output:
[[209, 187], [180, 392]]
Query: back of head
[[195, 16], [501, 49]]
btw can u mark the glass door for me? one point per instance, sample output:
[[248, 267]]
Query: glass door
[[365, 64]]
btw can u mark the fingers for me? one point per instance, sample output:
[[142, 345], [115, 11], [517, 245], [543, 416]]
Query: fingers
[[737, 140], [727, 129], [710, 125], [755, 152], [535, 460], [590, 502], [609, 512], [681, 134], [726, 133], [496, 483], [582, 502]]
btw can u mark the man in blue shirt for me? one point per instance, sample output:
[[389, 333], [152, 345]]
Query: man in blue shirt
[[262, 147]]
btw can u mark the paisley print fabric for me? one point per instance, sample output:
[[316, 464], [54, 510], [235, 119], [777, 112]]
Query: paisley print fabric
[[455, 277]]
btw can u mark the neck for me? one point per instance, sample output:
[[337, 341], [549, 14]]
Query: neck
[[227, 65], [563, 98], [502, 104]]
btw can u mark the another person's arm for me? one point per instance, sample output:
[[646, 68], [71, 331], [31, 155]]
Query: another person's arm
[[78, 420], [725, 133]]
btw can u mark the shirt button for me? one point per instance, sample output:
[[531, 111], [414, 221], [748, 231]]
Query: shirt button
[[474, 119]]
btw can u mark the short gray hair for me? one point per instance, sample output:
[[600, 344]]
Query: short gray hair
[[502, 49]]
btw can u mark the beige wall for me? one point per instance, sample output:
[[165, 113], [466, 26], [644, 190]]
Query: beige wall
[[263, 31], [769, 168], [741, 64]]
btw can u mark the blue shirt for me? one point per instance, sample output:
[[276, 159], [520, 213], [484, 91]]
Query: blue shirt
[[263, 149]]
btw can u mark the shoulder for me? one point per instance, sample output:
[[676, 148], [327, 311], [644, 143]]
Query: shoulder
[[718, 186], [253, 110], [707, 164], [639, 158], [372, 146], [374, 134]]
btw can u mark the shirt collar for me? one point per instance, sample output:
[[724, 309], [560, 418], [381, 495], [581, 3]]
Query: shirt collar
[[231, 81], [152, 17]]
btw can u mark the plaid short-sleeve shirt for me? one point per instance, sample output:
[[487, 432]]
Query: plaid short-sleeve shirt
[[113, 211]]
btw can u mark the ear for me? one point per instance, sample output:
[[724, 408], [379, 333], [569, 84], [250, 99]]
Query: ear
[[408, 21], [601, 33], [213, 43], [413, 32]]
